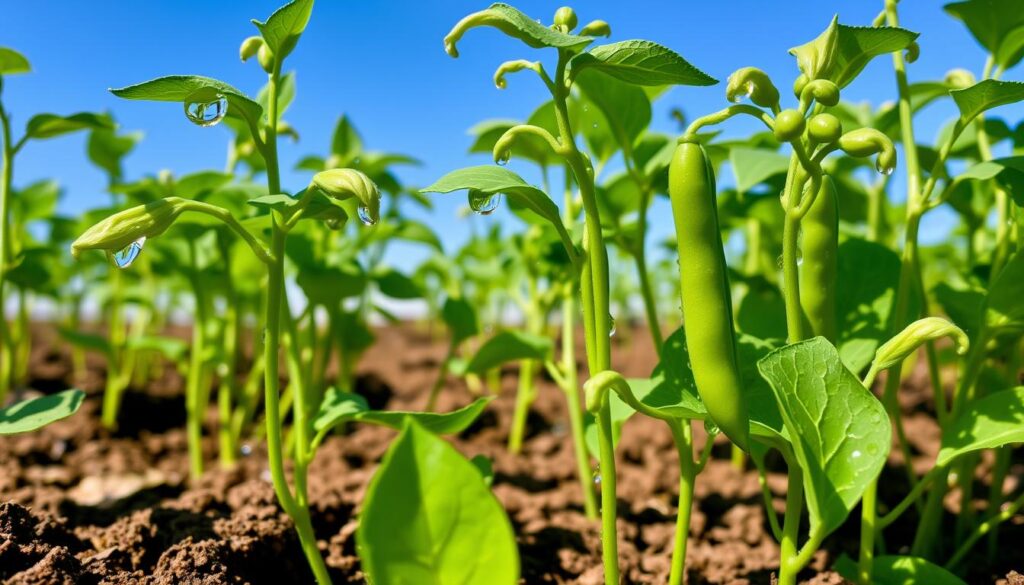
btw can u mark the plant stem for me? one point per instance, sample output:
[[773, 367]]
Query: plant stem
[[791, 524], [791, 277], [6, 178], [572, 397], [868, 515], [682, 435], [193, 385], [113, 390], [525, 394], [643, 277], [984, 528], [594, 291]]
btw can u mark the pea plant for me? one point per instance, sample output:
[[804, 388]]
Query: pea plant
[[630, 63]]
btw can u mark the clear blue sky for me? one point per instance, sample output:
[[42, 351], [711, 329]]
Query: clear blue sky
[[383, 64]]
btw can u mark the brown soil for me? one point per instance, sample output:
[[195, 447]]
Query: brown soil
[[81, 505]]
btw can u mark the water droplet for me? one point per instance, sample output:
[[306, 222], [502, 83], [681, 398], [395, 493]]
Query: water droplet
[[611, 326], [365, 216], [483, 203], [586, 108], [245, 449], [124, 257], [205, 114], [711, 428], [503, 158], [855, 455], [885, 170], [594, 125], [597, 476]]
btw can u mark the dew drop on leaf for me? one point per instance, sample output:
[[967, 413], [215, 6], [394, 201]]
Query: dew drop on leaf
[[365, 216], [483, 203], [124, 257], [206, 114]]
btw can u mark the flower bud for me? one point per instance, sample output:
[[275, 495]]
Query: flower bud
[[753, 83], [266, 58], [913, 336], [824, 128], [789, 125], [121, 229], [565, 18], [345, 184], [596, 28], [800, 84], [250, 47], [868, 141], [823, 91], [960, 79]]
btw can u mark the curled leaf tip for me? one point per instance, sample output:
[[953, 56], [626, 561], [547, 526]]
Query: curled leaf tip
[[596, 28], [512, 67], [916, 334], [753, 83]]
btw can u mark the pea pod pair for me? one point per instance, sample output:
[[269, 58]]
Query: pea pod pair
[[707, 303]]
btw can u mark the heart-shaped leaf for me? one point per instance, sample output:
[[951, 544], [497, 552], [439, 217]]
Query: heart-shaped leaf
[[987, 423]]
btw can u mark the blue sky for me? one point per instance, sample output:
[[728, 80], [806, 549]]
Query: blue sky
[[383, 64]]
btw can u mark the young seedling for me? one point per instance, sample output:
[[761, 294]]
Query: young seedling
[[12, 252], [629, 62]]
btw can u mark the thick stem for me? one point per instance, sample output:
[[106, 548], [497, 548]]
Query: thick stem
[[791, 277], [115, 337], [6, 178], [682, 435], [791, 525], [868, 515]]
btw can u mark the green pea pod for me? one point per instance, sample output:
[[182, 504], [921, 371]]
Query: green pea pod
[[707, 304], [820, 249]]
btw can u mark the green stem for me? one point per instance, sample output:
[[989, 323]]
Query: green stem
[[594, 291], [868, 516], [6, 178], [114, 390], [682, 435], [193, 384], [995, 494], [525, 394], [572, 396], [791, 278], [983, 529], [791, 524]]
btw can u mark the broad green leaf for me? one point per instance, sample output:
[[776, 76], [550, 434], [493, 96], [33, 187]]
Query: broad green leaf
[[640, 63], [36, 201], [172, 348], [338, 407], [12, 62], [517, 25], [996, 24], [459, 315], [107, 148], [989, 422], [485, 466], [1004, 311], [396, 285], [839, 430], [985, 95], [765, 419], [841, 52], [868, 277], [182, 88], [899, 570], [51, 125], [625, 107], [753, 166], [282, 30], [197, 185], [492, 179], [1008, 171], [676, 392], [29, 415], [509, 346], [88, 341], [427, 518], [346, 143]]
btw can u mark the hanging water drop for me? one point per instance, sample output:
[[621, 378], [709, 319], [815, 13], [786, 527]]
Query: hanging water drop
[[483, 203], [365, 216], [597, 476], [884, 169], [503, 158], [206, 113], [124, 257]]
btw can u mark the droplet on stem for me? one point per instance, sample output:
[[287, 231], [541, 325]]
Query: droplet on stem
[[611, 326], [124, 257], [206, 113]]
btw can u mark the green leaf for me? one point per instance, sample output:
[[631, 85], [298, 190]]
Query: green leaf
[[87, 341], [172, 348], [868, 277], [996, 25], [282, 30], [841, 52], [839, 431], [346, 143], [427, 518], [106, 149], [491, 179], [517, 25], [897, 570], [338, 407], [29, 415], [985, 95], [396, 285], [753, 166], [987, 423], [12, 62], [965, 307], [1004, 311], [509, 346], [485, 466], [181, 88], [625, 107], [676, 392], [459, 315], [640, 63], [51, 125]]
